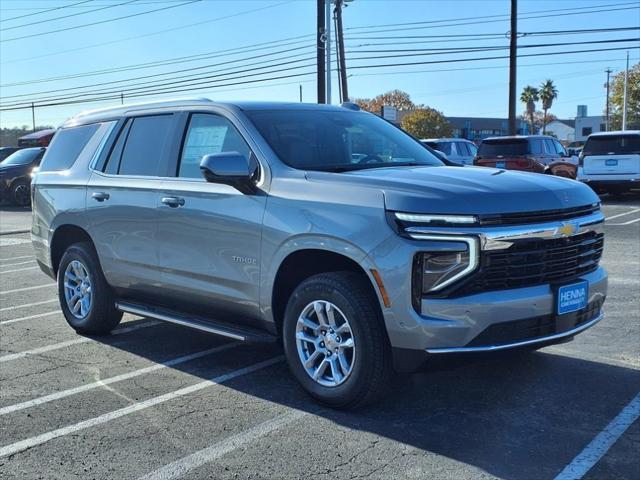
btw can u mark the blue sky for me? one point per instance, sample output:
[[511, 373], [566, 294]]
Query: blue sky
[[469, 88]]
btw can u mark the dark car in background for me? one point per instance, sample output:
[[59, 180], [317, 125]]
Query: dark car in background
[[531, 153], [6, 151], [15, 175]]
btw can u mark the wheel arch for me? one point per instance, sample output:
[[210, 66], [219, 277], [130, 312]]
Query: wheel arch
[[64, 236], [300, 264]]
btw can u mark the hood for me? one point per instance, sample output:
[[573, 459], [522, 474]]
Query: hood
[[467, 190]]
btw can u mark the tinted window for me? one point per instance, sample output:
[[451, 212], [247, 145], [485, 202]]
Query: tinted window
[[549, 146], [336, 140], [145, 145], [463, 149], [559, 148], [208, 134], [113, 162], [507, 146], [66, 145], [472, 148], [24, 157], [612, 144], [444, 147]]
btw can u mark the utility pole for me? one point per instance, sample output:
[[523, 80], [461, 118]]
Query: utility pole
[[327, 21], [513, 52], [608, 71], [343, 63], [624, 98], [320, 51], [300, 93], [33, 116], [121, 98]]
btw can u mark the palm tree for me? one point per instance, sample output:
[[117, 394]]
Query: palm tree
[[548, 93], [529, 97]]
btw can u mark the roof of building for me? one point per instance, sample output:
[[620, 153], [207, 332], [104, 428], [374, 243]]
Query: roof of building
[[480, 123], [121, 110], [567, 122], [39, 134]]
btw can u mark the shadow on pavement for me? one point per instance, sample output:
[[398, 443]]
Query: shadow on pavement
[[516, 416]]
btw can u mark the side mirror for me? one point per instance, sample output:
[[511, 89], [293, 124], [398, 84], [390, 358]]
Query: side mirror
[[230, 168]]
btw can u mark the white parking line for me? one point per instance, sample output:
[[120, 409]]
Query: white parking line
[[15, 258], [625, 223], [602, 442], [75, 341], [30, 317], [185, 465], [26, 289], [622, 214], [15, 264], [20, 269], [25, 305], [118, 378], [135, 407]]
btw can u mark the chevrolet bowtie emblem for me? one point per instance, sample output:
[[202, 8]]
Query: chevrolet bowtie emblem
[[567, 229]]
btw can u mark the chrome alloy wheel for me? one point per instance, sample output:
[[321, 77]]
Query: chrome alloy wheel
[[77, 289], [325, 343]]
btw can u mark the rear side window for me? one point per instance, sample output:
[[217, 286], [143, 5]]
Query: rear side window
[[463, 149], [612, 145], [503, 147], [142, 151], [65, 147]]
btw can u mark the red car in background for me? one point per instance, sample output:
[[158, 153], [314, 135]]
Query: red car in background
[[531, 153]]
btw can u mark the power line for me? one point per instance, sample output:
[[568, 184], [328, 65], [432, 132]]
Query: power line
[[150, 34], [218, 73], [482, 22], [45, 10], [99, 22], [156, 90], [580, 9], [67, 16]]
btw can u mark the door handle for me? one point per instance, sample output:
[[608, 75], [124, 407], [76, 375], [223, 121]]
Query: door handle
[[100, 196], [173, 202]]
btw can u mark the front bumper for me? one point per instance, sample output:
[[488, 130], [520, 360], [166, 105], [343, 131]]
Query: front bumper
[[487, 321]]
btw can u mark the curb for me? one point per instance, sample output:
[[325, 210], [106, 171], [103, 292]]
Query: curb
[[14, 232]]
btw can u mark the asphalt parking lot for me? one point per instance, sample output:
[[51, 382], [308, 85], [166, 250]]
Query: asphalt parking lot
[[159, 401]]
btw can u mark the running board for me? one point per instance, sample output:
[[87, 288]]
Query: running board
[[198, 323]]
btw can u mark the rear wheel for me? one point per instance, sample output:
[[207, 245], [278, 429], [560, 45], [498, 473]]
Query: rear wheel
[[85, 297], [335, 340]]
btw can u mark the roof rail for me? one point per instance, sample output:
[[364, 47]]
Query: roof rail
[[350, 106]]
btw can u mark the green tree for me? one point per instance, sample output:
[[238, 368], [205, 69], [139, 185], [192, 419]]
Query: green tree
[[548, 93], [633, 99], [394, 98], [427, 123], [529, 97]]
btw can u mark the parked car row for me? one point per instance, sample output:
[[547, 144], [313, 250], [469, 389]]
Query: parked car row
[[15, 174], [608, 161]]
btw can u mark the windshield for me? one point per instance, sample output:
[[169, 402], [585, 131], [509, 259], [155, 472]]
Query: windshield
[[23, 157], [612, 145], [338, 141], [503, 147]]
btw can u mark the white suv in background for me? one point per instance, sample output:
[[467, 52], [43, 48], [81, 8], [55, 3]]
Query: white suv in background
[[457, 150], [610, 161]]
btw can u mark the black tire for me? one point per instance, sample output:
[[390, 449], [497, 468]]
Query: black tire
[[372, 365], [102, 316], [21, 193]]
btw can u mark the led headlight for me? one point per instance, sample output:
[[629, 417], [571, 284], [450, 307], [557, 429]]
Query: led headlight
[[437, 269]]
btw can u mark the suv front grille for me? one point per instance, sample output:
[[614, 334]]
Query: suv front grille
[[536, 262], [536, 327]]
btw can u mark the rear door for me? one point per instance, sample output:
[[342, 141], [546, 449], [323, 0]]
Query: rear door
[[209, 234], [612, 155], [122, 197]]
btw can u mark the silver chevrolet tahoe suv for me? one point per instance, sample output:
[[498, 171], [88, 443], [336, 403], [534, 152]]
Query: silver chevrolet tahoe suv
[[324, 227]]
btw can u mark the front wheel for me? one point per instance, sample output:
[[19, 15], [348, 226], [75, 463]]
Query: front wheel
[[335, 340], [21, 193], [85, 296]]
